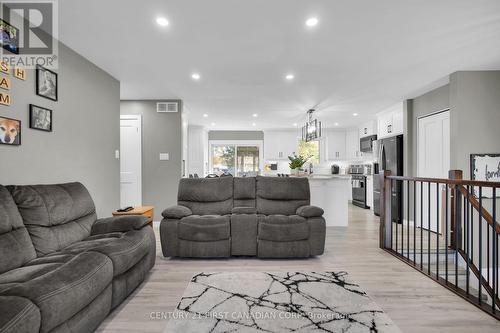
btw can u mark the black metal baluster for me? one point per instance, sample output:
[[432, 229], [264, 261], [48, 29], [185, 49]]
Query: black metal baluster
[[408, 220], [455, 232], [480, 242], [437, 230], [429, 228], [390, 220], [495, 250], [397, 224], [422, 225], [446, 232], [402, 218], [467, 233], [471, 228], [414, 222]]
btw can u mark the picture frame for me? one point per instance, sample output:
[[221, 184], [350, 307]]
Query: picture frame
[[46, 83], [10, 131], [40, 118], [9, 37], [485, 167]]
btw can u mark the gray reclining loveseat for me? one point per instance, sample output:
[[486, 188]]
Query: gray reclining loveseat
[[268, 217], [62, 269]]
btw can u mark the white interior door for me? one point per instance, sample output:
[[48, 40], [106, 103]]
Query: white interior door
[[130, 161], [433, 161]]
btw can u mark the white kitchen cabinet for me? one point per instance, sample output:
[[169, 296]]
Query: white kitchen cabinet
[[368, 128], [352, 144], [336, 144], [278, 145], [390, 121]]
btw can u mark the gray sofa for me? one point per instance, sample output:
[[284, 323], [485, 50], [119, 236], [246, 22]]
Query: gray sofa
[[268, 217], [61, 268]]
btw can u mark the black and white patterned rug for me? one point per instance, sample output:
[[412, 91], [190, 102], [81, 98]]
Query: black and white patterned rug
[[277, 302]]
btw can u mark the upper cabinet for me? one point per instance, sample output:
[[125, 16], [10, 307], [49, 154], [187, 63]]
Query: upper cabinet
[[367, 129], [352, 144], [336, 144], [390, 121], [278, 145]]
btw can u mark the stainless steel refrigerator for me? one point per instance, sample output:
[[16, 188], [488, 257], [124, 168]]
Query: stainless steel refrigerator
[[389, 154]]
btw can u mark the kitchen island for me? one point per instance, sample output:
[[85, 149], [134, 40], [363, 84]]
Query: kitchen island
[[331, 192]]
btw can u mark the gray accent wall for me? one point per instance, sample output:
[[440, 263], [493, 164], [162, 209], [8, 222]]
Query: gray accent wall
[[475, 116], [236, 135], [161, 133], [85, 132]]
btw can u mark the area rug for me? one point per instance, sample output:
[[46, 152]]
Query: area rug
[[277, 302]]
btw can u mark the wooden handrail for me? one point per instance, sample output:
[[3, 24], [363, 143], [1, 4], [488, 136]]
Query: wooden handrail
[[478, 183], [475, 203]]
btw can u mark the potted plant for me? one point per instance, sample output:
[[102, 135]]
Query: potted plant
[[296, 162]]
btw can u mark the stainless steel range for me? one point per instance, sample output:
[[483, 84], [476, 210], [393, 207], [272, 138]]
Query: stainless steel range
[[358, 181]]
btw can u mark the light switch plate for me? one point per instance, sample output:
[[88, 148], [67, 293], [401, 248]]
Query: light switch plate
[[117, 154], [164, 157]]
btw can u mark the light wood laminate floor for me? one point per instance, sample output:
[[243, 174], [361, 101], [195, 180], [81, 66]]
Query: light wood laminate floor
[[413, 301]]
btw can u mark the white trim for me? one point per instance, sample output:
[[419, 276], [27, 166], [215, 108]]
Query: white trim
[[240, 143], [137, 117]]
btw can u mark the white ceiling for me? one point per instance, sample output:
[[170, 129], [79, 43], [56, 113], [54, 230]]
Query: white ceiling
[[363, 56]]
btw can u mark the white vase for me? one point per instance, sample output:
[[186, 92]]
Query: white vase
[[294, 172]]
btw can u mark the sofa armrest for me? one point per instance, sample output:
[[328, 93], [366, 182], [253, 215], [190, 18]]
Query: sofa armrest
[[244, 210], [310, 211], [119, 224], [176, 212]]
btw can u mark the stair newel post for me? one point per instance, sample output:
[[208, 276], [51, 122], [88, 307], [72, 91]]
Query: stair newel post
[[385, 231], [455, 210]]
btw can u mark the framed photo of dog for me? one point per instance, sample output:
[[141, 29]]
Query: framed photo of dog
[[10, 131], [46, 83], [40, 118]]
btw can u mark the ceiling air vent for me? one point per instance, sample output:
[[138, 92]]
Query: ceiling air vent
[[167, 107]]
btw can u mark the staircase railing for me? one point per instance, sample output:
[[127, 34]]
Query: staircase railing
[[446, 229]]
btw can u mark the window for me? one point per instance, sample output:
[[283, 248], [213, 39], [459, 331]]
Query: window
[[310, 148], [237, 158]]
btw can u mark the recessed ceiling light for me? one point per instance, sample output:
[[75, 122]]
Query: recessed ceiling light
[[295, 124], [253, 124], [336, 124], [212, 124], [289, 77], [196, 76], [355, 114], [312, 22], [205, 115], [255, 115], [162, 21]]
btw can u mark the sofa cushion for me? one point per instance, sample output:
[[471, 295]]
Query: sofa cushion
[[55, 215], [244, 192], [16, 247], [281, 228], [204, 228], [18, 314], [124, 249], [66, 288], [205, 196], [278, 195]]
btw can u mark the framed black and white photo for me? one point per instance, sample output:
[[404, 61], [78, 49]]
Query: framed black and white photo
[[46, 83], [40, 118], [485, 167]]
